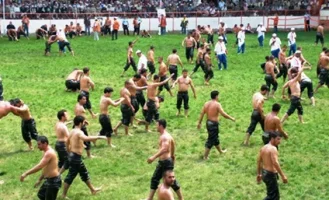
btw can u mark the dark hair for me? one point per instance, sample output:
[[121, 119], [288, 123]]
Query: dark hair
[[274, 134], [202, 45], [214, 94], [271, 57], [161, 98], [294, 70], [276, 107], [130, 43], [174, 50], [108, 90], [15, 101], [61, 114], [162, 122], [267, 58], [324, 49], [138, 76], [299, 48], [184, 70], [80, 96], [264, 87], [167, 171], [43, 139], [327, 51], [155, 77], [85, 70], [142, 71], [151, 47], [78, 120], [208, 50]]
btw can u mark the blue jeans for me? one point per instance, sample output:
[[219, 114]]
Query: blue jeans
[[261, 41], [183, 30], [222, 59], [292, 49], [87, 30], [241, 48], [59, 46], [275, 53], [163, 30], [26, 29], [275, 29]]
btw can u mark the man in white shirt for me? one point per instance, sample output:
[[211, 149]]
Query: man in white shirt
[[292, 41], [275, 44], [241, 39], [142, 62], [261, 34], [220, 51]]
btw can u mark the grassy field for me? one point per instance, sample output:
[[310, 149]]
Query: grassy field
[[123, 172]]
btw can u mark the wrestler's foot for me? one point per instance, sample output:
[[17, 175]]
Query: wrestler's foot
[[129, 134], [91, 156], [64, 197], [94, 191], [112, 146], [134, 126], [178, 113], [2, 182], [223, 151], [245, 143], [205, 158]]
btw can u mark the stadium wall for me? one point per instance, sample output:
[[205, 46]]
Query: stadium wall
[[173, 24]]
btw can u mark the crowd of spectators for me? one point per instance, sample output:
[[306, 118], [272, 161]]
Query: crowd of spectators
[[148, 8]]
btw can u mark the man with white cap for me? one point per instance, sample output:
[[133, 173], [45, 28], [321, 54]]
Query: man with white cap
[[275, 44], [292, 41], [261, 34], [142, 62], [220, 51], [241, 39]]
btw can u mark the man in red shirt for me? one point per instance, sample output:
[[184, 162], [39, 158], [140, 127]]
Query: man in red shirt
[[276, 22], [116, 26], [163, 24]]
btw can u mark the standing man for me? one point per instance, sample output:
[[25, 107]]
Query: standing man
[[125, 25], [261, 34], [172, 61], [213, 109], [295, 103], [26, 24], [163, 24], [166, 155], [104, 117], [222, 31], [96, 29], [208, 72], [183, 85], [184, 24], [164, 192], [270, 76], [189, 42], [306, 82], [130, 59], [136, 26], [150, 61], [221, 51], [307, 19], [62, 134], [85, 84], [241, 40], [283, 64], [268, 167], [142, 62], [323, 71], [142, 82], [210, 35], [292, 41], [115, 28], [48, 164], [75, 145], [108, 24], [319, 35], [199, 61], [72, 81], [276, 23], [87, 24], [163, 69], [275, 44], [257, 115]]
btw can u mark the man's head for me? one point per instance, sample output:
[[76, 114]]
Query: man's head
[[62, 115], [71, 23], [161, 125], [160, 59], [324, 49], [168, 178], [42, 142], [130, 43], [156, 78], [271, 58], [78, 120], [292, 29], [136, 77], [143, 72], [298, 53], [275, 138], [327, 52], [15, 102], [264, 89], [220, 38], [214, 95], [152, 47], [82, 99], [267, 58], [273, 35], [139, 53], [284, 47], [86, 70], [208, 51], [184, 73], [174, 51], [108, 91], [127, 84], [184, 16], [276, 108]]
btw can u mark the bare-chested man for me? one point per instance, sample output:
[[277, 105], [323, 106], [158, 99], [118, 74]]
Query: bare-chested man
[[127, 109], [152, 109], [75, 145], [189, 42], [257, 115], [164, 192], [209, 74], [210, 35], [283, 64], [151, 61], [130, 58], [166, 155], [272, 123], [62, 133], [141, 83], [270, 76], [183, 85], [72, 81], [197, 36], [163, 69], [324, 71], [51, 40], [85, 84], [268, 167], [295, 103], [213, 109], [6, 108], [306, 82], [172, 61], [29, 130], [222, 31], [199, 60], [104, 117], [318, 68], [319, 35], [48, 164]]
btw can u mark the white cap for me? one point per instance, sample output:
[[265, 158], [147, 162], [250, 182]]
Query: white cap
[[243, 29], [292, 29], [221, 21], [298, 51], [273, 35], [220, 38], [138, 51], [261, 23]]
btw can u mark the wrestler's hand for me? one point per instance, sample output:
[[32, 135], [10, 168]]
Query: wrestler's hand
[[150, 159], [23, 176], [199, 126], [102, 137], [284, 179], [37, 184], [259, 179]]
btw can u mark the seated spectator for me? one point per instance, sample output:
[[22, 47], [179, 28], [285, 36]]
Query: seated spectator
[[249, 29], [72, 31], [79, 30]]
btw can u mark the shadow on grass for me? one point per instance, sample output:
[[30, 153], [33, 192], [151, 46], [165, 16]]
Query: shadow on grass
[[5, 154]]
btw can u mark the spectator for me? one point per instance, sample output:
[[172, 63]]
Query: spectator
[[87, 25], [125, 25], [116, 26], [26, 23], [163, 24], [184, 24]]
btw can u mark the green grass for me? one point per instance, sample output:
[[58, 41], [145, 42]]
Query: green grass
[[123, 171]]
